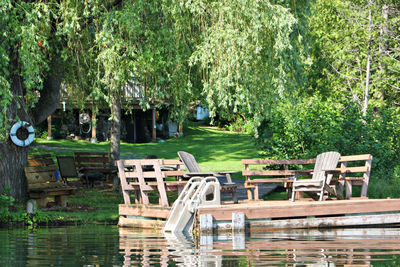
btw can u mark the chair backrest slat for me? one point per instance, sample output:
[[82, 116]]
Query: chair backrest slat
[[189, 161], [325, 161]]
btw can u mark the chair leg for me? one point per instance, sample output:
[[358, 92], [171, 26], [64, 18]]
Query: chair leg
[[321, 196], [324, 184], [294, 188], [234, 197]]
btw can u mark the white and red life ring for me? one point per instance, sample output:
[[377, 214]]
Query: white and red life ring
[[15, 138]]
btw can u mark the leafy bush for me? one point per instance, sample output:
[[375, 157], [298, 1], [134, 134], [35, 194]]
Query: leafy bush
[[6, 201], [240, 125], [314, 126]]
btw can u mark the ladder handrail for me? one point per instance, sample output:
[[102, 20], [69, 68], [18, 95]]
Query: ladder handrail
[[189, 200]]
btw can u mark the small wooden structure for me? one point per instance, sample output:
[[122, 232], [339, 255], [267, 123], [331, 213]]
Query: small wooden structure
[[260, 216], [261, 171], [44, 181], [88, 163], [145, 175], [266, 215]]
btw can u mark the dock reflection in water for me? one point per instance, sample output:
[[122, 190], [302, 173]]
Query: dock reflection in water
[[337, 247]]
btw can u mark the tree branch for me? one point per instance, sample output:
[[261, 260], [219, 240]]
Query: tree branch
[[49, 99]]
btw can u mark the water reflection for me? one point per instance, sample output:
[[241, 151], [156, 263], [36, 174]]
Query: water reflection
[[60, 246], [340, 247], [96, 245]]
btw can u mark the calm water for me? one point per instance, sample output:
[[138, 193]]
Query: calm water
[[110, 246]]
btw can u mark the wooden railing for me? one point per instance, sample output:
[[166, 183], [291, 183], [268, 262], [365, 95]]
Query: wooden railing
[[144, 175], [256, 173]]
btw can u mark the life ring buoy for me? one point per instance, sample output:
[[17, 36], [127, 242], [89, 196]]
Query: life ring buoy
[[15, 139]]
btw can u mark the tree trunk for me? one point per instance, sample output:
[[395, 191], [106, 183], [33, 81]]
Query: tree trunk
[[383, 46], [115, 137], [368, 70], [12, 163], [14, 158]]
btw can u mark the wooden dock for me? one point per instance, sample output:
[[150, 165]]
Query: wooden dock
[[257, 216]]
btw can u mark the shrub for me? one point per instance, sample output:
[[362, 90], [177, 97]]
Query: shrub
[[6, 201], [314, 126]]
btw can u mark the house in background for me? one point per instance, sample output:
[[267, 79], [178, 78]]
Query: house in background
[[92, 123]]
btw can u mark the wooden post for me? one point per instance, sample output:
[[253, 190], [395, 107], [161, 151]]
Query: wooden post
[[249, 188], [124, 184], [153, 125], [206, 223], [94, 136], [342, 178], [364, 187], [238, 221], [49, 136], [238, 230], [160, 184], [238, 240], [206, 241], [31, 206], [256, 192]]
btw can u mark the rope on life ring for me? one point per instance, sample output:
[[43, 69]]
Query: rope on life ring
[[15, 138]]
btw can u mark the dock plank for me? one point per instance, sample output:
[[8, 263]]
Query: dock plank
[[287, 209]]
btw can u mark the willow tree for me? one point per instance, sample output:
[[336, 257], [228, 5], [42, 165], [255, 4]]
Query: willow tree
[[250, 53], [94, 48], [247, 53], [30, 76], [139, 46]]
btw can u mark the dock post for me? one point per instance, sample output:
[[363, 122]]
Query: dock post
[[206, 223], [206, 232], [238, 240], [238, 221], [206, 241]]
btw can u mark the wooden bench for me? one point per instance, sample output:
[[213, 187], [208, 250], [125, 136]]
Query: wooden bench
[[88, 163], [281, 171], [144, 175], [44, 180]]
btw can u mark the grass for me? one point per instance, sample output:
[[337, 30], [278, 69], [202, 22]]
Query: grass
[[214, 149]]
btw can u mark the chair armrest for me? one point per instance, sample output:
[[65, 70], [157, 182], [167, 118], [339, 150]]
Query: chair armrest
[[301, 172], [201, 174], [333, 171], [228, 172]]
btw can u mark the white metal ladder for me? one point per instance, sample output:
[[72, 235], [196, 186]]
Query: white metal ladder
[[195, 194]]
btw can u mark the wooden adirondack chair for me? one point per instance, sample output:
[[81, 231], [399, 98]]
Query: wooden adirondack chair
[[325, 167], [194, 170]]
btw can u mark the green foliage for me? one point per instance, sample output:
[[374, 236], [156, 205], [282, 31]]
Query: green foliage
[[26, 49], [249, 53], [6, 201], [285, 68], [346, 33], [241, 125], [314, 126]]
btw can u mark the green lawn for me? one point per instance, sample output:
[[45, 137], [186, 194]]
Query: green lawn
[[215, 150]]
